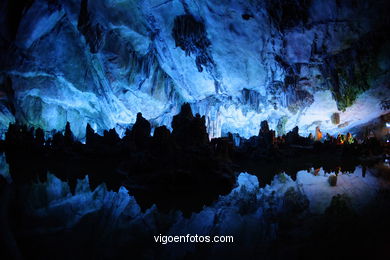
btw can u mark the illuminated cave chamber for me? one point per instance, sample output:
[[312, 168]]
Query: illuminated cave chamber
[[306, 63]]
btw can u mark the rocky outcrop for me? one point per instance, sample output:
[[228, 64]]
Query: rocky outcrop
[[187, 129]]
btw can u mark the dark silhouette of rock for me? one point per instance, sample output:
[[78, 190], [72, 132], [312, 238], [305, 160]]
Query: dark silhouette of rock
[[141, 131], [68, 137], [111, 137], [264, 128], [90, 136], [39, 137], [58, 141], [292, 137], [266, 136], [199, 130], [183, 118], [223, 148], [162, 142], [189, 130]]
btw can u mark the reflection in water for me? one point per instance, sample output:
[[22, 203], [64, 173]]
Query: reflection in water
[[185, 194], [4, 168], [360, 183], [281, 215], [360, 186]]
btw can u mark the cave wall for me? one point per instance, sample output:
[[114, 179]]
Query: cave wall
[[237, 62]]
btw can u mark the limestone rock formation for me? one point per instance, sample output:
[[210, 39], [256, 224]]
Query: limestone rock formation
[[236, 62]]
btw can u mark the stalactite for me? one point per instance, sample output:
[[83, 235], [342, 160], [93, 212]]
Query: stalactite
[[93, 32], [190, 36]]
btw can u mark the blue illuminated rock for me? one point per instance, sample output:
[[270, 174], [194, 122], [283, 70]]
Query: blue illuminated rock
[[237, 63]]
